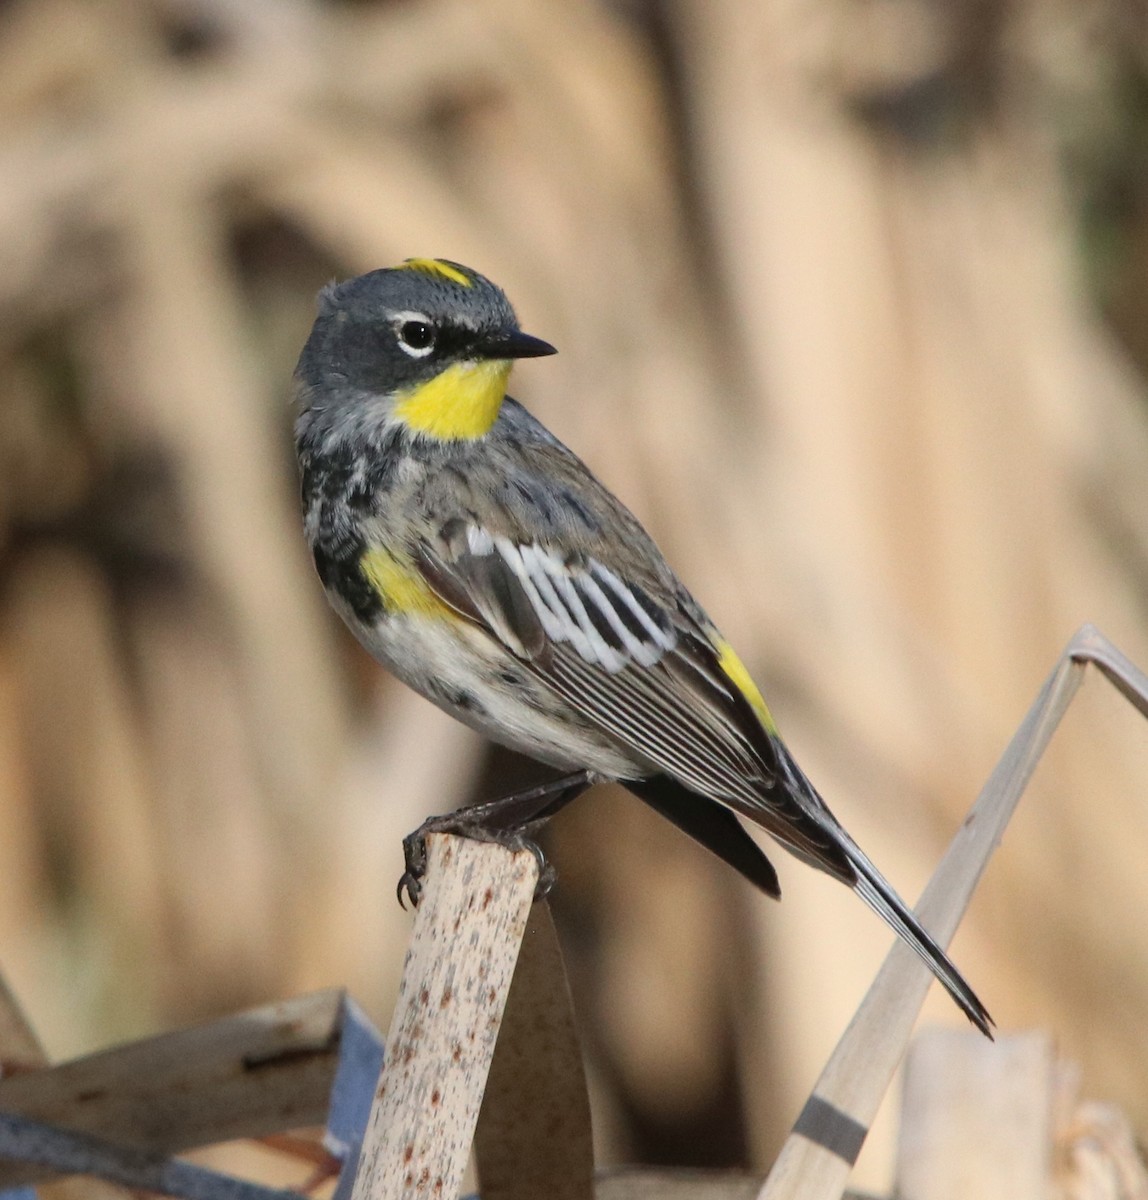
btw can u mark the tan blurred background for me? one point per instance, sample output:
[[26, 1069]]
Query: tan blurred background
[[850, 296]]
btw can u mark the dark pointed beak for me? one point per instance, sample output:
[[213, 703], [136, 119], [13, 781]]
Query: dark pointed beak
[[513, 344]]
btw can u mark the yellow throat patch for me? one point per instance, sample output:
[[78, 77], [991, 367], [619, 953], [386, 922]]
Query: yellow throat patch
[[458, 404], [436, 266], [401, 589], [736, 672]]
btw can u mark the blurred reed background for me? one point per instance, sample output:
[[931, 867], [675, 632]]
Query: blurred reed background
[[851, 303]]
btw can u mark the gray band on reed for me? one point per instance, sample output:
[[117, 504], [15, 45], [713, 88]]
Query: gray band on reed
[[826, 1125]]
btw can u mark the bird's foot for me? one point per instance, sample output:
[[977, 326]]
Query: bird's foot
[[462, 824], [508, 821]]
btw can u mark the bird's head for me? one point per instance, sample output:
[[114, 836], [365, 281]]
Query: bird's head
[[428, 344]]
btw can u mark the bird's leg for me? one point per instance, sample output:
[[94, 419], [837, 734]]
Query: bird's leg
[[509, 820]]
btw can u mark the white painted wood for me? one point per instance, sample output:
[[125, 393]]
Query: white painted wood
[[470, 921]]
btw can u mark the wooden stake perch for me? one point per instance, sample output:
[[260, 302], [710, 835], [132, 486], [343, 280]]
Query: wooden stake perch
[[470, 921]]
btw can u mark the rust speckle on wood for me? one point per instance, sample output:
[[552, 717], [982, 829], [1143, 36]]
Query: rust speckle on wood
[[456, 975]]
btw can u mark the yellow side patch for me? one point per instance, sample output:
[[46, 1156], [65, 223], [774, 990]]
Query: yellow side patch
[[459, 403], [436, 266], [401, 589], [736, 672]]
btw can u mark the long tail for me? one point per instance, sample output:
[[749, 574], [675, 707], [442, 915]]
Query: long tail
[[873, 888], [812, 832]]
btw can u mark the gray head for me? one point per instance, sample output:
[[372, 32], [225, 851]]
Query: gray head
[[393, 330]]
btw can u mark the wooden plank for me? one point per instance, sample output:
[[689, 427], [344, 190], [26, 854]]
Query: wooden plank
[[471, 918], [80, 1154], [977, 1118], [260, 1072], [20, 1050]]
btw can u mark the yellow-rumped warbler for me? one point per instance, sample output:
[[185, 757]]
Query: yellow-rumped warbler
[[480, 560]]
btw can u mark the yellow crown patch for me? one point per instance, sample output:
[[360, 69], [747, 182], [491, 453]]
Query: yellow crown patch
[[437, 266]]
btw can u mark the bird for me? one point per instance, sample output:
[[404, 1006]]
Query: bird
[[482, 562]]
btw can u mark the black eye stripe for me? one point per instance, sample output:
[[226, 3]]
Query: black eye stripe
[[456, 339]]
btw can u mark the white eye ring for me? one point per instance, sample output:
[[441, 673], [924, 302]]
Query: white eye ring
[[425, 327]]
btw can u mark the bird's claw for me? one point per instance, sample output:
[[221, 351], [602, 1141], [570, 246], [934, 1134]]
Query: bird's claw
[[414, 868], [409, 888], [410, 883], [547, 875]]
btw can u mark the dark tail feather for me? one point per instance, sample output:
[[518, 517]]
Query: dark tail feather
[[713, 826], [811, 818], [872, 887], [719, 830]]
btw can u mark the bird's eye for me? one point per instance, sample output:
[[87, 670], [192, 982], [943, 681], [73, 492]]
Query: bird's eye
[[416, 337]]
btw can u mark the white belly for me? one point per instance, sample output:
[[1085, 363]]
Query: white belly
[[453, 668]]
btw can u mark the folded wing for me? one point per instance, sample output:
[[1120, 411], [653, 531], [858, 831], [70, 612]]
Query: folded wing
[[644, 668]]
